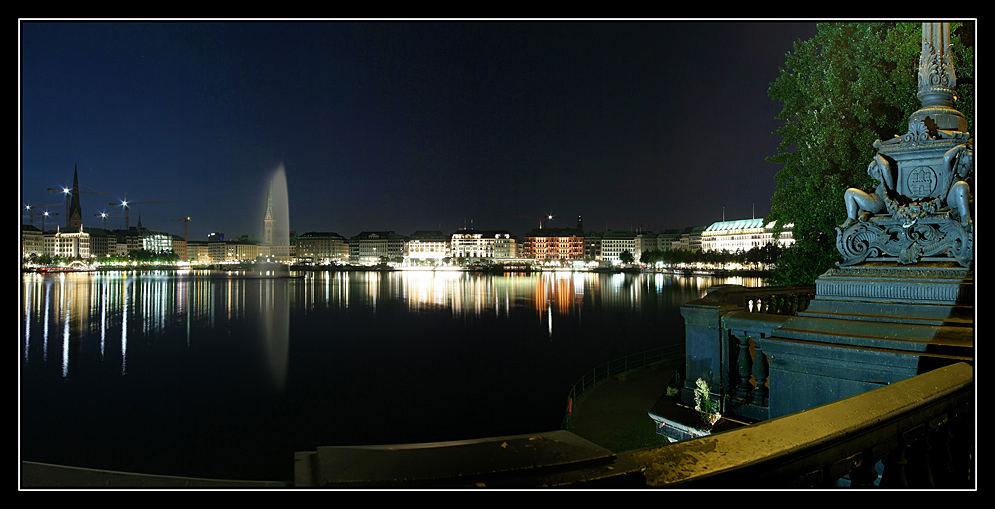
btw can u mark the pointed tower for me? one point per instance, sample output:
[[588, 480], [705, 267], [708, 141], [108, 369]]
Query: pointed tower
[[75, 217], [268, 220]]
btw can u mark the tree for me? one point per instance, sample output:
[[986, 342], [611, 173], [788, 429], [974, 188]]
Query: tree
[[650, 256], [625, 257], [849, 85]]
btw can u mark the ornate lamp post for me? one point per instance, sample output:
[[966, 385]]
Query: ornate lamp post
[[921, 210]]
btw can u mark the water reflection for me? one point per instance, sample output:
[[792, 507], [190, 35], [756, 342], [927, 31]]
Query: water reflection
[[90, 307], [471, 294], [274, 308]]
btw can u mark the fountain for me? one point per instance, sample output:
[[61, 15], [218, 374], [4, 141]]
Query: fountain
[[274, 256]]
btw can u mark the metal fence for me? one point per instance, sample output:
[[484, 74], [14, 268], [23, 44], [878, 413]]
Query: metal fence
[[618, 366]]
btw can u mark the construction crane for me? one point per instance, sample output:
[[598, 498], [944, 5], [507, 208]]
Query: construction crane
[[33, 209], [126, 205], [105, 215], [43, 216], [66, 190], [186, 225]]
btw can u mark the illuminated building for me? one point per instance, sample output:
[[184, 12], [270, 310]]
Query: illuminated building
[[321, 248], [197, 251], [179, 247], [31, 241], [426, 246], [217, 249], [156, 242], [369, 248], [742, 235], [547, 244], [243, 251], [613, 243], [71, 245], [483, 244], [232, 251]]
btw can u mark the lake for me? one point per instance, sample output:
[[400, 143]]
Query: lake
[[212, 374]]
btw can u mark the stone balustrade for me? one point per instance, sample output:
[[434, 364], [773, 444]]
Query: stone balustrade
[[721, 333], [914, 433]]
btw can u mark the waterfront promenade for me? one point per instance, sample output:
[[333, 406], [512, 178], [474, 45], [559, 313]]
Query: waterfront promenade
[[614, 413]]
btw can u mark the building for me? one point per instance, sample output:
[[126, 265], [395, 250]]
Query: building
[[217, 249], [370, 248], [425, 246], [233, 251], [742, 235], [614, 243], [103, 243], [483, 244], [157, 242], [70, 245], [197, 251], [321, 248], [592, 247], [549, 244], [243, 251], [645, 241], [667, 238], [179, 247], [32, 242], [689, 239]]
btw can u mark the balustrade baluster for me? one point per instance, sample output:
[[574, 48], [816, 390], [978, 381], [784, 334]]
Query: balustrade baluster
[[760, 373], [918, 470], [894, 469], [743, 365], [942, 460], [865, 473]]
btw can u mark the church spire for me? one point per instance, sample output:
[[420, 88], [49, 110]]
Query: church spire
[[268, 220], [75, 218]]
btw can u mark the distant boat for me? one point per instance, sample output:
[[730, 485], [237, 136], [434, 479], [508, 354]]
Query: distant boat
[[56, 269], [75, 266]]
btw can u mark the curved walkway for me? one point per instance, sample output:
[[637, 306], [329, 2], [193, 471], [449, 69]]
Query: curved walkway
[[614, 414]]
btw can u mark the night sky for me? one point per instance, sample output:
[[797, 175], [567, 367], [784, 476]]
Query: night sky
[[403, 126]]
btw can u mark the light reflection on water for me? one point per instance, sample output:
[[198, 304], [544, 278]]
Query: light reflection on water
[[154, 300], [199, 351]]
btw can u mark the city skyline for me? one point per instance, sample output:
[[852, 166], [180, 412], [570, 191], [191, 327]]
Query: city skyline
[[404, 126]]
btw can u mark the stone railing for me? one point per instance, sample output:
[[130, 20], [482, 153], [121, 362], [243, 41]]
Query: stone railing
[[721, 330], [914, 433], [777, 300]]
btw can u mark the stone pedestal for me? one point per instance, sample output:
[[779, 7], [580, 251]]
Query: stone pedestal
[[870, 325]]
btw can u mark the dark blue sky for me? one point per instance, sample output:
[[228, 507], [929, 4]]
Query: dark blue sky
[[404, 125]]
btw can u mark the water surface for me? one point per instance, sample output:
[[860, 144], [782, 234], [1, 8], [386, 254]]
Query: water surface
[[210, 374]]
